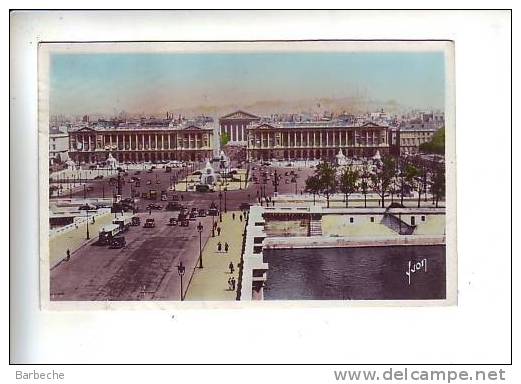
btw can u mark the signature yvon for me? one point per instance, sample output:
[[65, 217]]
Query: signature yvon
[[414, 267]]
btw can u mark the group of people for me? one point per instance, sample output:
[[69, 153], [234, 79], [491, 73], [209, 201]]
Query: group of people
[[240, 217], [231, 283], [220, 247]]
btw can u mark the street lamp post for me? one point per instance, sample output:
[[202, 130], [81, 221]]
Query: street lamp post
[[200, 230], [181, 272], [88, 235], [213, 220], [225, 207], [220, 206]]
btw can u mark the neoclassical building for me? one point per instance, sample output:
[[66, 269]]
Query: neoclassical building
[[315, 140], [189, 141], [235, 124], [411, 135]]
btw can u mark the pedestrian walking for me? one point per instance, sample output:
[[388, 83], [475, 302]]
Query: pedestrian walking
[[233, 283], [240, 218], [218, 231], [93, 220], [219, 246], [68, 257], [231, 267], [233, 216], [226, 247], [229, 283]]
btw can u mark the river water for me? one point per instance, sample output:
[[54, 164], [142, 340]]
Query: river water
[[372, 273]]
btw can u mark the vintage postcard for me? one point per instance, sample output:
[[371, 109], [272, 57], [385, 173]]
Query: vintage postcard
[[316, 173]]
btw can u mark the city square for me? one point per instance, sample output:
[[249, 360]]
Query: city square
[[332, 199]]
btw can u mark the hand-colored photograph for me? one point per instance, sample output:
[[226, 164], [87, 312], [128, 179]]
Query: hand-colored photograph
[[252, 172]]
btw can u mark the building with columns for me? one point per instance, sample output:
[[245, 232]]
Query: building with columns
[[187, 141], [315, 140], [235, 124]]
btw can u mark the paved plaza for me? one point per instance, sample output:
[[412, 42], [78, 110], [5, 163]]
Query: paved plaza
[[146, 268]]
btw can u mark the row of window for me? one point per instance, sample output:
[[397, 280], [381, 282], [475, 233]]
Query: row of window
[[413, 219]]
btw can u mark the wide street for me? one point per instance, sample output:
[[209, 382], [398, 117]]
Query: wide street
[[146, 268], [160, 180]]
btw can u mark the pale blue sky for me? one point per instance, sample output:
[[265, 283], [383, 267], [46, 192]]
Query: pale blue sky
[[102, 83]]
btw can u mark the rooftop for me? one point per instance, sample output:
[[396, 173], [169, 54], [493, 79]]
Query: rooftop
[[315, 124]]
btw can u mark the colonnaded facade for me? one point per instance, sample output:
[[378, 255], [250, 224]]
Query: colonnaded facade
[[315, 140], [141, 143], [235, 124]]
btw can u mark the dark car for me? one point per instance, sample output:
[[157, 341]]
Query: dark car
[[150, 223], [245, 206], [184, 223], [172, 221], [87, 207], [117, 242], [175, 198], [202, 188], [136, 221], [173, 206], [201, 212], [193, 215], [154, 206]]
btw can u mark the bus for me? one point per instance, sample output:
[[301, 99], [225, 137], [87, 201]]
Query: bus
[[107, 233], [124, 222]]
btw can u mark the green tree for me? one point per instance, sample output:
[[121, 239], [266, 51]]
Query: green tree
[[349, 183], [225, 139], [416, 178], [438, 184], [436, 144], [327, 179], [313, 186], [382, 178], [407, 176]]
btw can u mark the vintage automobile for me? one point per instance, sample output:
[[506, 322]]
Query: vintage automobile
[[154, 206], [117, 242], [193, 215], [136, 221], [173, 206], [150, 223], [203, 188], [87, 207], [184, 223], [172, 221], [245, 206], [201, 212]]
